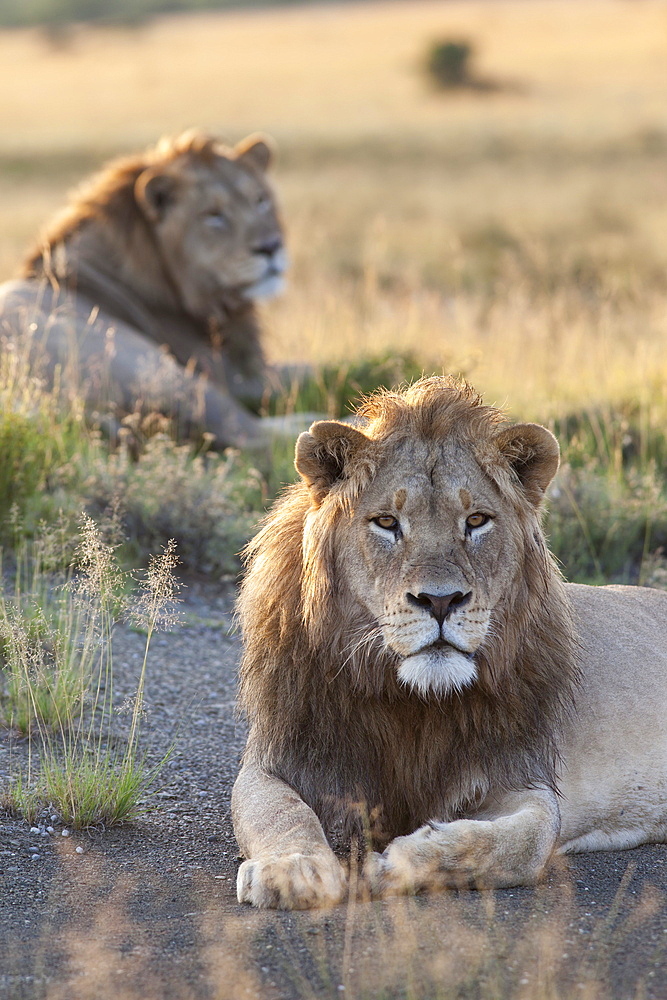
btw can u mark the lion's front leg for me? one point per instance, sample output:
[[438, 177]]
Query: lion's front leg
[[290, 865], [508, 843]]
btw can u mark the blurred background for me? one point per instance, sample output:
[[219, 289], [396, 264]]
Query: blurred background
[[474, 186]]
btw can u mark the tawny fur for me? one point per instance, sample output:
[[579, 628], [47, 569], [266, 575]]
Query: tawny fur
[[327, 713], [104, 210], [140, 295]]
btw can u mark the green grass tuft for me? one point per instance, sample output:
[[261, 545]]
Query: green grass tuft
[[58, 680], [86, 787], [334, 389]]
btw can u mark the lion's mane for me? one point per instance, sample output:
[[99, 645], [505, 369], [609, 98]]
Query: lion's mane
[[326, 711], [105, 205]]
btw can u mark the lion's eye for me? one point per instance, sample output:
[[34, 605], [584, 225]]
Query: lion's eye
[[386, 521], [476, 520], [216, 220]]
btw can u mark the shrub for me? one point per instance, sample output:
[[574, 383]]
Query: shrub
[[37, 440], [448, 63], [607, 515], [334, 389], [207, 502]]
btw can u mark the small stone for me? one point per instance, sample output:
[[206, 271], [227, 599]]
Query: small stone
[[50, 829], [65, 833], [54, 819], [34, 829], [35, 857], [79, 850]]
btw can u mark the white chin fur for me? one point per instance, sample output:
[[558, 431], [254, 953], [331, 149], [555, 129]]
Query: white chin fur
[[265, 288], [437, 671]]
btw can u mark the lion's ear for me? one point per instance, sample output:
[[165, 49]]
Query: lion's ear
[[256, 150], [154, 192], [533, 453], [324, 452]]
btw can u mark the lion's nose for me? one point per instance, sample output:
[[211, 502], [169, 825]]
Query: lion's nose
[[268, 246], [440, 605]]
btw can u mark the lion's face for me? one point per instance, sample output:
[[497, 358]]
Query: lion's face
[[216, 224], [430, 545], [432, 552]]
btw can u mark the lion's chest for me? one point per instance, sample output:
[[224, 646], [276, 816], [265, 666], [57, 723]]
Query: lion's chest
[[383, 771]]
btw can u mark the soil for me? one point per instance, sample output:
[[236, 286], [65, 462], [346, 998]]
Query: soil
[[149, 910]]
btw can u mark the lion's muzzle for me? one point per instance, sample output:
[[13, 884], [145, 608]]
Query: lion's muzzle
[[440, 605]]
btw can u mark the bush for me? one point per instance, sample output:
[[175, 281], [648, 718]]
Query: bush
[[605, 528], [335, 389], [209, 503], [39, 442], [448, 63], [607, 517]]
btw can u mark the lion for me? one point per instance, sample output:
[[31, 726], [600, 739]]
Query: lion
[[140, 294], [417, 675]]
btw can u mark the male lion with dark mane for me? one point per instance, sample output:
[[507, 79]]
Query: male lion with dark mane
[[416, 671], [141, 293]]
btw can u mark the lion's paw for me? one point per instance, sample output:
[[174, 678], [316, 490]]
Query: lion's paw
[[395, 872], [435, 856], [293, 882]]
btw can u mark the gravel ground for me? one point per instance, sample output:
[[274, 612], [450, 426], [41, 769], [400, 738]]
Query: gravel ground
[[149, 910]]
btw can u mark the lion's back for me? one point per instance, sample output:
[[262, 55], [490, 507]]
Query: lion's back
[[615, 751], [610, 620]]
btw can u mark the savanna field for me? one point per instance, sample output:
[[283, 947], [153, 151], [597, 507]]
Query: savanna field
[[512, 231]]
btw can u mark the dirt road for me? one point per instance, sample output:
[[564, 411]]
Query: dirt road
[[149, 910]]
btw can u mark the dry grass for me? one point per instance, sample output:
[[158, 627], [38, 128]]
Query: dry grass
[[516, 236], [334, 71], [57, 678], [445, 948]]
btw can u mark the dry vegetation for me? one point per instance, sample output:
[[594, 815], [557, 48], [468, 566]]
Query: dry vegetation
[[451, 948], [517, 236]]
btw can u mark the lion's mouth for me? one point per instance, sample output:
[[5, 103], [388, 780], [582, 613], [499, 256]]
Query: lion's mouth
[[438, 668], [271, 281], [270, 284], [441, 644]]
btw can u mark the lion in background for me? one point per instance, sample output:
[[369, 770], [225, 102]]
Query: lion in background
[[140, 294], [417, 673]]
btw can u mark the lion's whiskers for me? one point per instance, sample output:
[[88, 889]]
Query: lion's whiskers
[[367, 638]]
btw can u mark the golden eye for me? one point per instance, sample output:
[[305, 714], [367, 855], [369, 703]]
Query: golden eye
[[387, 522], [476, 520]]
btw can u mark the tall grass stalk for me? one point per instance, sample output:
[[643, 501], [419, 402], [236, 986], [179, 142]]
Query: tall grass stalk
[[59, 680], [45, 650], [152, 610]]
